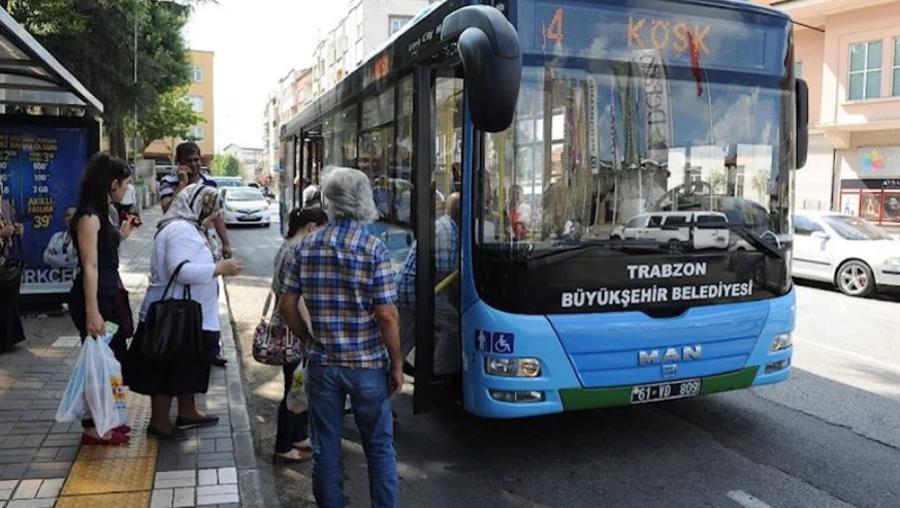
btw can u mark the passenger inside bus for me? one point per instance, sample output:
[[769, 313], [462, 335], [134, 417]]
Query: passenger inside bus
[[446, 302], [519, 213]]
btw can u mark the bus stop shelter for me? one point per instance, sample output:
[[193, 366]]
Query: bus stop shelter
[[49, 128], [31, 77]]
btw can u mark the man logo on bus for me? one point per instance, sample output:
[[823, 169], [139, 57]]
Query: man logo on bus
[[652, 357], [482, 342], [495, 342]]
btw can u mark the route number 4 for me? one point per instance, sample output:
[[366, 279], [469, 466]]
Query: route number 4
[[554, 32]]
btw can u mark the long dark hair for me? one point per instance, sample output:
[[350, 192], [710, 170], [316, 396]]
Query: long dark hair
[[300, 217], [102, 171]]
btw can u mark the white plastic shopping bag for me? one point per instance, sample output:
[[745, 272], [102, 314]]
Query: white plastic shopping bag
[[296, 399], [72, 407], [103, 380], [114, 371]]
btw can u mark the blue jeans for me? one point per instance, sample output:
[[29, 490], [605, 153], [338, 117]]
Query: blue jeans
[[327, 388]]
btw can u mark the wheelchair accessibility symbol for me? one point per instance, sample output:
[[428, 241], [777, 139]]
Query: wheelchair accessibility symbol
[[502, 343], [495, 342]]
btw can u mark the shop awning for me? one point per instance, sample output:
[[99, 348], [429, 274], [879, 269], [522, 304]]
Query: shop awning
[[31, 76]]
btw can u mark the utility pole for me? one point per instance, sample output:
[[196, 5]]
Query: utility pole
[[135, 141]]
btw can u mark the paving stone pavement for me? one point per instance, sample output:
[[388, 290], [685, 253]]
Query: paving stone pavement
[[216, 466]]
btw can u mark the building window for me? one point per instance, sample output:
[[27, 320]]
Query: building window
[[359, 52], [896, 80], [395, 23], [865, 70], [196, 103], [197, 132], [198, 74], [798, 69]]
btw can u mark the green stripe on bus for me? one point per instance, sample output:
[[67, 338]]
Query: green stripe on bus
[[589, 398]]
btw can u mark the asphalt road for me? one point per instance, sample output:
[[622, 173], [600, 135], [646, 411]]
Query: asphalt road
[[828, 437]]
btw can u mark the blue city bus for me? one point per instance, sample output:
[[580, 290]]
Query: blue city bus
[[625, 170]]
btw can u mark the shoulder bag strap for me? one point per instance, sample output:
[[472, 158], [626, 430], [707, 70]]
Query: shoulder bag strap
[[172, 278], [265, 312], [278, 273]]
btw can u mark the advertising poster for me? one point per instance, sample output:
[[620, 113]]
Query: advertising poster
[[891, 207], [871, 206], [41, 166], [850, 203]]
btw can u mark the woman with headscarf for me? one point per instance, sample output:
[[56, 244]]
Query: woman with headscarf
[[181, 236]]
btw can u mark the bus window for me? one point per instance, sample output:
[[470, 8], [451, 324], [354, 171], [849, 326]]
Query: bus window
[[345, 133], [447, 182], [329, 157], [400, 170]]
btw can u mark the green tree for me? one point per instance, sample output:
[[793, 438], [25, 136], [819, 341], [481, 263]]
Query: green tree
[[226, 165], [94, 39], [172, 117]]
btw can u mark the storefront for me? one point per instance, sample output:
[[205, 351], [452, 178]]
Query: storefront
[[870, 184]]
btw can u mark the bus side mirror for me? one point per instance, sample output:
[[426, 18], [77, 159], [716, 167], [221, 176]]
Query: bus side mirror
[[801, 94], [489, 49]]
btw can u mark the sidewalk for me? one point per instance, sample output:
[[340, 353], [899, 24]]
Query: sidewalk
[[42, 463]]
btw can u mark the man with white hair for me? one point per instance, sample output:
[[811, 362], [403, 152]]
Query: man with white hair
[[344, 275]]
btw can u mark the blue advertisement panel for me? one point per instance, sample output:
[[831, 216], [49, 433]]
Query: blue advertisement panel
[[41, 166]]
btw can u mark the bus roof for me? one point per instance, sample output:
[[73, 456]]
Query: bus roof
[[421, 37]]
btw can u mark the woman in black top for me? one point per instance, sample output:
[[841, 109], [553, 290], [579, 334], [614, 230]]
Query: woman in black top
[[97, 294]]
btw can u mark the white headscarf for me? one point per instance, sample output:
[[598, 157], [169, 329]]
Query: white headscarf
[[193, 204]]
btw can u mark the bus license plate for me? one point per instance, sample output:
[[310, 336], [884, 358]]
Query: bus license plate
[[665, 391]]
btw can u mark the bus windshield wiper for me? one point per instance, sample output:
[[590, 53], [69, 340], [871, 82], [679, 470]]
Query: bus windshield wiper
[[746, 234], [576, 247]]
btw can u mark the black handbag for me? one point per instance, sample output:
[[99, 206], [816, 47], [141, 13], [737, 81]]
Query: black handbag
[[173, 327], [11, 268]]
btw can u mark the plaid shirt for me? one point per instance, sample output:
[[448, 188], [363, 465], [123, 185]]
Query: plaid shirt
[[342, 273], [446, 260]]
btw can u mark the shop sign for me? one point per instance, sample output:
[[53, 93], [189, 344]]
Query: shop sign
[[879, 161]]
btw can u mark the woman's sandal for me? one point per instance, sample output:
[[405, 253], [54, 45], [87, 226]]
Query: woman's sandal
[[114, 440], [294, 456]]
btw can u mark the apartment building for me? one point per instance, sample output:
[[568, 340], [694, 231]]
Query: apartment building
[[293, 93], [200, 94], [367, 25], [848, 51], [251, 159]]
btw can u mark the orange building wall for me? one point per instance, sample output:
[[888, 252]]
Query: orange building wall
[[204, 89]]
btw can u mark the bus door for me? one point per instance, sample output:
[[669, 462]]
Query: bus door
[[311, 165], [438, 182]]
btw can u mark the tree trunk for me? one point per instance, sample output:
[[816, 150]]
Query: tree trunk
[[116, 135]]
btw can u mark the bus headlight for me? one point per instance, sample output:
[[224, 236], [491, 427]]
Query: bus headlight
[[779, 365], [518, 396], [782, 341], [512, 367]]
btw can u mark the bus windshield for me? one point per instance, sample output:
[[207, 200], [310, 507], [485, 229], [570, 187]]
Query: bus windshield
[[638, 127]]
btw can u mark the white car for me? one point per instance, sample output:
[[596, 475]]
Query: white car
[[849, 252], [245, 205], [674, 228]]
